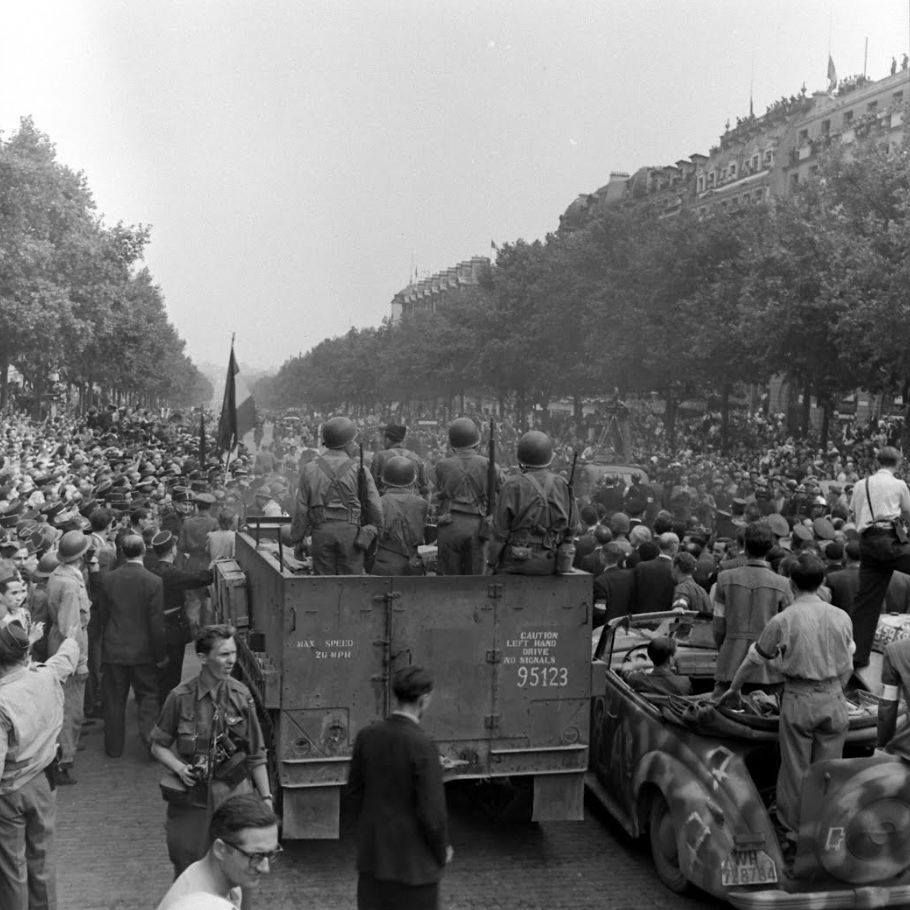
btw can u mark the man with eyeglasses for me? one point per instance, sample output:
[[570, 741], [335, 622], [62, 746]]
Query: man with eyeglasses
[[243, 837]]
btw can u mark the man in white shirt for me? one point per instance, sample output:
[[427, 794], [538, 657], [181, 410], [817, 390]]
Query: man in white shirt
[[877, 502], [244, 842]]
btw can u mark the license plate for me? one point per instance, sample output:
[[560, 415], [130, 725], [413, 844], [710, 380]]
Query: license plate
[[748, 867]]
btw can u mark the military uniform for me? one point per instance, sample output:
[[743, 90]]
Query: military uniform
[[328, 507], [186, 725], [404, 516], [534, 514], [193, 541], [381, 458], [461, 489], [177, 633]]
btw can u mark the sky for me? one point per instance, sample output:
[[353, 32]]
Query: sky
[[297, 161]]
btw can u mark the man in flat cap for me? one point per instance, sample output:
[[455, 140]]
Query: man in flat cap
[[393, 436]]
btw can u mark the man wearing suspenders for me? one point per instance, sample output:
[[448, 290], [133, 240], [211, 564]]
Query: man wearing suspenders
[[881, 509], [534, 514], [329, 508]]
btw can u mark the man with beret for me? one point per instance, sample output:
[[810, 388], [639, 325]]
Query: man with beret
[[176, 624], [193, 542], [31, 716], [393, 436]]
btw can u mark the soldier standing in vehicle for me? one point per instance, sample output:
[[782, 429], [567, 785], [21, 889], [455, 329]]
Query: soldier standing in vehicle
[[535, 513], [404, 515], [462, 495], [812, 643], [393, 436], [329, 508]]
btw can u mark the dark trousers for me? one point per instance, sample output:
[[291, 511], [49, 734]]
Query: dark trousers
[[880, 555], [117, 680], [373, 894], [460, 549], [27, 817], [169, 675], [333, 549], [93, 683]]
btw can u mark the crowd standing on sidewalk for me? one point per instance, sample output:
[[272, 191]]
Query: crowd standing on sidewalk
[[110, 526]]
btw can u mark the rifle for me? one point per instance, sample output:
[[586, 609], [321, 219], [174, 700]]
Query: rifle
[[486, 524], [572, 472], [369, 551], [491, 469]]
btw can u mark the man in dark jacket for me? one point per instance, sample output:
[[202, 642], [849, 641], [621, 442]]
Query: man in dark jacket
[[133, 644], [395, 784], [654, 579], [177, 632], [845, 582], [615, 585]]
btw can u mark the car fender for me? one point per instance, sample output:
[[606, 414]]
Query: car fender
[[712, 800]]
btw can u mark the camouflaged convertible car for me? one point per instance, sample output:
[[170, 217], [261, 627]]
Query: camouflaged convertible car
[[698, 783]]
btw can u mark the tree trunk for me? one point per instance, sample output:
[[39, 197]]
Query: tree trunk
[[578, 413], [724, 417], [805, 416], [520, 408], [826, 421], [670, 419], [4, 384]]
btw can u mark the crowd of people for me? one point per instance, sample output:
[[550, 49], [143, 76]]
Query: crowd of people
[[110, 525]]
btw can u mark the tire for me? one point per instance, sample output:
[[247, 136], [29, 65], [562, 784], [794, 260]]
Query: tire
[[664, 853]]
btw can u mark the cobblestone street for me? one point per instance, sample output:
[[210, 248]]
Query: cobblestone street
[[112, 855]]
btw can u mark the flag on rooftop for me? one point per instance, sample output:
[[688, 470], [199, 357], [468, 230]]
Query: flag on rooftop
[[238, 411], [832, 74]]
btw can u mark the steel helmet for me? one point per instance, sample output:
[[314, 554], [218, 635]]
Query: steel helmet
[[337, 432], [463, 433], [399, 471], [535, 450]]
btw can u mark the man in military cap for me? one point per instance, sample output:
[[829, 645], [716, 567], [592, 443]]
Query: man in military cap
[[176, 582], [462, 494], [192, 542], [328, 506], [535, 513], [393, 436], [404, 516]]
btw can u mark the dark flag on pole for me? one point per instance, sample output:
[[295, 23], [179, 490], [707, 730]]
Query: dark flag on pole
[[238, 412]]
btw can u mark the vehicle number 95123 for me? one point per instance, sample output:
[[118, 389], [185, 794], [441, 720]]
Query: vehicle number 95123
[[543, 676]]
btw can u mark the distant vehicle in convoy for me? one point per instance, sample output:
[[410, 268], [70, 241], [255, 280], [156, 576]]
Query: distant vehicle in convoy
[[510, 655], [698, 781]]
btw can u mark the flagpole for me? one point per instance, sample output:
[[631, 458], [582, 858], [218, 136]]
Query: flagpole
[[227, 462]]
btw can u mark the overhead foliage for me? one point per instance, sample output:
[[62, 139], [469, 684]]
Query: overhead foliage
[[74, 299], [813, 287]]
